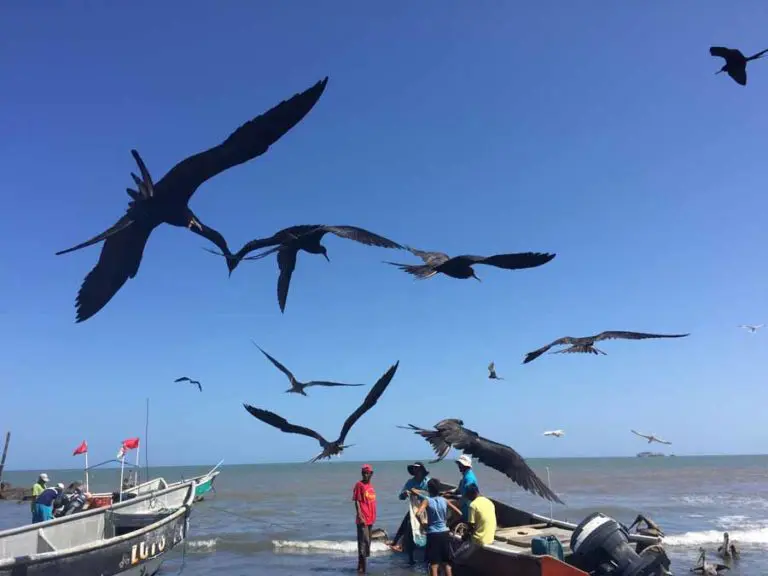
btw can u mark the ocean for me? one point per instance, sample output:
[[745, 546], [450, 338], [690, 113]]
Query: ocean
[[296, 519]]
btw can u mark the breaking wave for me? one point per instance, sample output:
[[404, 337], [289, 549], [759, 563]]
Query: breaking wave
[[331, 546]]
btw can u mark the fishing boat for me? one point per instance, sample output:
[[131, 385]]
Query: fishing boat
[[203, 485], [511, 551], [101, 541]]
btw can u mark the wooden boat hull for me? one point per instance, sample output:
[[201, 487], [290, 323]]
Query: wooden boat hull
[[83, 545]]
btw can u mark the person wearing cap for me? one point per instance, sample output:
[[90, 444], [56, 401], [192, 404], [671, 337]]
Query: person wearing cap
[[418, 481], [468, 478], [37, 489], [364, 497], [70, 501], [44, 503]]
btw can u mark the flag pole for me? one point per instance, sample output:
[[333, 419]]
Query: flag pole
[[122, 468], [138, 448], [86, 471]]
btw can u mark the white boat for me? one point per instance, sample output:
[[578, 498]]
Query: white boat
[[101, 541]]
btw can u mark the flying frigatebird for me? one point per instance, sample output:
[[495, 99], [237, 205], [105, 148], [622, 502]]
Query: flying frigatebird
[[451, 433], [586, 344], [194, 382], [167, 200], [492, 372], [337, 446], [296, 386], [307, 237], [735, 62], [461, 266]]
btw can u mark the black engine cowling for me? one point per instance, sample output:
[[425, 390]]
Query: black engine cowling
[[600, 546]]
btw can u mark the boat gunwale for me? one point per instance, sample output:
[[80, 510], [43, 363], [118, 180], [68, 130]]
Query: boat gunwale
[[39, 557]]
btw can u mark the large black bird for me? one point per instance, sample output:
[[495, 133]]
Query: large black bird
[[461, 266], [307, 237], [193, 382], [735, 62], [167, 200], [335, 447], [586, 344], [296, 386], [450, 433]]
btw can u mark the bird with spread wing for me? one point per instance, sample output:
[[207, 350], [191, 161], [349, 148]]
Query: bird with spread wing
[[735, 62], [586, 344], [167, 200], [451, 433], [193, 382], [329, 448], [650, 437], [296, 386], [461, 266], [752, 328], [289, 241], [557, 433]]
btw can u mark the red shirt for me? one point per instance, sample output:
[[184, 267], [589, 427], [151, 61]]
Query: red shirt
[[365, 494]]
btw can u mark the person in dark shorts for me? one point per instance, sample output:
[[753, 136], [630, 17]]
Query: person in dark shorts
[[438, 550], [364, 497]]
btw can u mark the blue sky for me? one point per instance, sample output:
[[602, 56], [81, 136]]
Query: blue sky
[[601, 134]]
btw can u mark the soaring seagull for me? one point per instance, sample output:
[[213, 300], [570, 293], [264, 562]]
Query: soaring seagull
[[651, 437], [492, 372], [194, 382], [558, 433], [586, 344], [461, 266], [307, 237], [337, 446], [450, 433], [735, 62], [167, 200], [296, 386], [751, 327]]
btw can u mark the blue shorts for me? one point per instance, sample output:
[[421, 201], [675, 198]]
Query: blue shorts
[[42, 513]]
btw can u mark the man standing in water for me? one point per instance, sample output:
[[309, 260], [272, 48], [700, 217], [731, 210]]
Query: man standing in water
[[364, 497]]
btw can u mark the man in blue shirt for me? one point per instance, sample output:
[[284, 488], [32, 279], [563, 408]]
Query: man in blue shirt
[[44, 504], [418, 481], [464, 463]]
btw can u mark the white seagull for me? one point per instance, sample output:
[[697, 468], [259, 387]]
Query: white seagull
[[557, 433], [651, 438], [751, 327]]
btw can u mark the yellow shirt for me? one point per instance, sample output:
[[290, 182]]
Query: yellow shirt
[[482, 515], [37, 489]]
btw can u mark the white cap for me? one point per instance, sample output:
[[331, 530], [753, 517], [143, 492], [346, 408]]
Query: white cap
[[60, 486], [44, 477], [464, 460]]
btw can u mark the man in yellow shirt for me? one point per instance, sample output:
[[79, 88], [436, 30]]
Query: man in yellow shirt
[[37, 489], [482, 523]]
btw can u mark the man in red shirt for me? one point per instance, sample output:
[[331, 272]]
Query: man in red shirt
[[364, 497]]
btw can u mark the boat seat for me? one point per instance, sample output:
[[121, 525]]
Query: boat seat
[[43, 544], [521, 536]]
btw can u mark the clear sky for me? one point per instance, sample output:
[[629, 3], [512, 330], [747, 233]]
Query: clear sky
[[598, 131]]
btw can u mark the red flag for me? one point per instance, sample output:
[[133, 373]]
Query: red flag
[[131, 444], [82, 449]]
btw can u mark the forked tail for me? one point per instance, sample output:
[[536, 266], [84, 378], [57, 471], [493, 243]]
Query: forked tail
[[420, 271]]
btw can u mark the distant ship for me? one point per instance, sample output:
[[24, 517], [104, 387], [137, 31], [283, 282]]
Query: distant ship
[[649, 454]]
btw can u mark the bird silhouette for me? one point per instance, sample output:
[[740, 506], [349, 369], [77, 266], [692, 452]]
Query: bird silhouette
[[735, 62], [187, 379], [337, 446], [751, 327], [307, 237], [296, 386], [461, 266], [651, 438], [167, 200], [707, 568], [586, 344], [451, 433], [492, 372], [557, 433]]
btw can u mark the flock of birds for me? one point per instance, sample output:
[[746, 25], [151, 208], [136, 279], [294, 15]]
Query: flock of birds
[[167, 202]]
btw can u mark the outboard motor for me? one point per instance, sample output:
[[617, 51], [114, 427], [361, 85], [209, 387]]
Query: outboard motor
[[600, 546]]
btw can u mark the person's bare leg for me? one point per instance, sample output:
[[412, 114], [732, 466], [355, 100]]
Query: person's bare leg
[[448, 569], [433, 569]]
